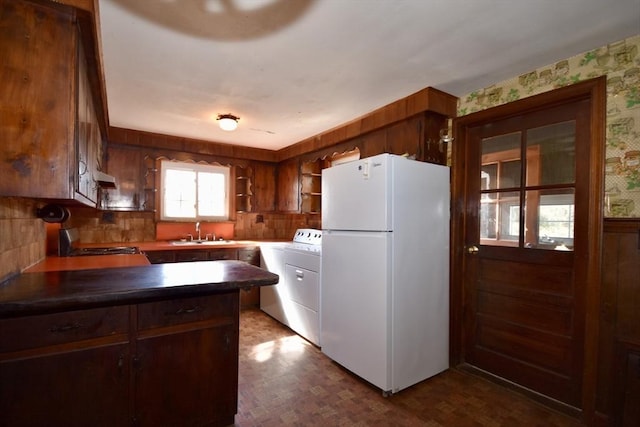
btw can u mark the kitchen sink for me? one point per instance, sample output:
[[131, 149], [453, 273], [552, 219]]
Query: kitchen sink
[[201, 242]]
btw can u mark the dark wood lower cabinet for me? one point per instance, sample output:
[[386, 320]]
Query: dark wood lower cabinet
[[250, 297], [167, 362], [190, 256], [161, 257], [171, 367], [186, 362], [86, 387]]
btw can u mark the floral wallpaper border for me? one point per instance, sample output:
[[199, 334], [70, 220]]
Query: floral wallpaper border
[[620, 62]]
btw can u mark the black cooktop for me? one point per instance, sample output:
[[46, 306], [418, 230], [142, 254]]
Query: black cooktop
[[105, 251], [67, 246]]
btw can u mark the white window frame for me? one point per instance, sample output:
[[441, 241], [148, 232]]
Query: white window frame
[[166, 165], [561, 200]]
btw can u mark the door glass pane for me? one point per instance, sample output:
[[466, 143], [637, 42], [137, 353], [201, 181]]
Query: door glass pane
[[551, 154], [501, 163], [500, 219], [550, 218]]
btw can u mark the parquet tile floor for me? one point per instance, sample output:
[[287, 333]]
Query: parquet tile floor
[[286, 381]]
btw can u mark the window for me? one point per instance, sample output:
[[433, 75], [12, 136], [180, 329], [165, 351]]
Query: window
[[556, 219], [194, 191]]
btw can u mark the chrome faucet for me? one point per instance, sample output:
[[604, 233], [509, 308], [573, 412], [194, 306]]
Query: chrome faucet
[[198, 230]]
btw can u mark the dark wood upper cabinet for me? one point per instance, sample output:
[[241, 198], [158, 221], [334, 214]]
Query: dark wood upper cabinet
[[126, 164], [288, 190], [50, 133], [135, 171], [264, 187]]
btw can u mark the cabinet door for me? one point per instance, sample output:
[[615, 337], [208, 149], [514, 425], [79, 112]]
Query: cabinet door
[[250, 256], [88, 137], [222, 254], [188, 378], [288, 187], [126, 165], [77, 388], [250, 297], [264, 187], [83, 174], [195, 255], [67, 368], [405, 137], [36, 123], [186, 364], [161, 257]]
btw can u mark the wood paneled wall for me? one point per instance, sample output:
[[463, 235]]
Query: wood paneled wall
[[224, 153], [22, 235], [409, 126], [428, 99], [618, 391]]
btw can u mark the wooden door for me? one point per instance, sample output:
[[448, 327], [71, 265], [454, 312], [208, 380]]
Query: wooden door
[[527, 185]]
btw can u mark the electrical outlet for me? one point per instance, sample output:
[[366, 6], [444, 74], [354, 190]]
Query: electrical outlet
[[108, 218]]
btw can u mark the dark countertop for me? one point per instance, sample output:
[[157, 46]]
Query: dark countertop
[[33, 293]]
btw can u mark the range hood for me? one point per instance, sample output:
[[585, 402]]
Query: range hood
[[104, 180]]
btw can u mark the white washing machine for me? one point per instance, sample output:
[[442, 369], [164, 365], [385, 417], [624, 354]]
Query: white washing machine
[[295, 300]]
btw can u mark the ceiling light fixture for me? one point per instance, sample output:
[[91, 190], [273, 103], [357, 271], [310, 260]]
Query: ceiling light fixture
[[228, 122]]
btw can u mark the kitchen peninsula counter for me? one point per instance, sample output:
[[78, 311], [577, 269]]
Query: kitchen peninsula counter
[[145, 345], [57, 290]]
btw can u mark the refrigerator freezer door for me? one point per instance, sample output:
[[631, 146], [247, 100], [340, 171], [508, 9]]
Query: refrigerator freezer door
[[355, 303], [355, 195]]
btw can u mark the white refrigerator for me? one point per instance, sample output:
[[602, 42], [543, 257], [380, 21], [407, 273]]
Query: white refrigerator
[[385, 269]]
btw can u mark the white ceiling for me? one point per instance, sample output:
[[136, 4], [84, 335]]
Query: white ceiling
[[291, 69]]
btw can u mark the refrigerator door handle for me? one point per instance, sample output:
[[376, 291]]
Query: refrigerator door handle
[[299, 275], [365, 169]]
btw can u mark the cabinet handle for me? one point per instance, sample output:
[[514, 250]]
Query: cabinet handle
[[190, 310], [120, 363], [137, 366], [65, 328], [227, 342]]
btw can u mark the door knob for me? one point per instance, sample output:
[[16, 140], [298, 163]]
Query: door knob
[[472, 249]]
